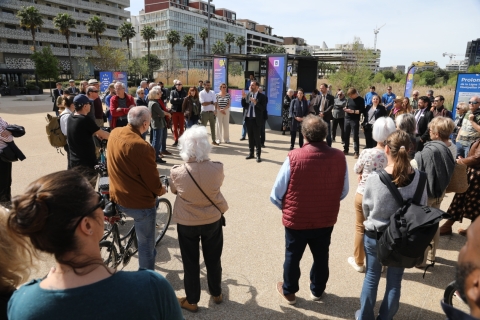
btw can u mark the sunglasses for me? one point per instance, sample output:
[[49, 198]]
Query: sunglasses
[[223, 87], [473, 102], [100, 204]]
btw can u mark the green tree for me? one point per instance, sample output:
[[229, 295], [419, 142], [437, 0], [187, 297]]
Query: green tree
[[229, 39], [429, 77], [153, 62], [148, 33], [138, 67], [173, 38], [96, 26], [203, 34], [109, 58], [235, 68], [219, 47], [474, 69], [127, 32], [305, 52], [389, 75], [64, 22], [31, 19], [240, 42], [379, 78], [46, 64], [188, 42], [269, 49]]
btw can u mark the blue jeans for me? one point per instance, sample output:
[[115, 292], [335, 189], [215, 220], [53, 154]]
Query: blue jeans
[[295, 243], [164, 139], [462, 151], [144, 221], [368, 297], [192, 121], [244, 129], [157, 141]]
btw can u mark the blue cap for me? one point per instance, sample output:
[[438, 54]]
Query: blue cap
[[81, 99]]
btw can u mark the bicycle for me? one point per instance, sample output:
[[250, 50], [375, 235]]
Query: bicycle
[[452, 297]]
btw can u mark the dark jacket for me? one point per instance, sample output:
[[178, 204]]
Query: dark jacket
[[442, 112], [297, 109], [259, 107], [158, 116], [11, 153], [176, 99], [191, 107], [423, 132], [473, 158], [286, 102], [327, 112], [56, 93], [455, 314], [141, 102], [381, 111]]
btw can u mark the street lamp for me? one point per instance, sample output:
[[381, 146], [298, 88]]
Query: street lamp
[[208, 45]]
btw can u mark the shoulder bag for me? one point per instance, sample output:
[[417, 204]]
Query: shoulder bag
[[223, 217], [459, 181]]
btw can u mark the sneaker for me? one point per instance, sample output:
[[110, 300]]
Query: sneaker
[[315, 298], [357, 315], [355, 155], [345, 153], [218, 299], [186, 305], [166, 153], [241, 139], [351, 261], [290, 298], [215, 143]]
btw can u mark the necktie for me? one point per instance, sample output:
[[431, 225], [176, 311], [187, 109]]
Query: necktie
[[322, 107], [251, 107]]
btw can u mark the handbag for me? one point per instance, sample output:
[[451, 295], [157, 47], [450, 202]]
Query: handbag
[[223, 217], [459, 181], [16, 130], [7, 155]]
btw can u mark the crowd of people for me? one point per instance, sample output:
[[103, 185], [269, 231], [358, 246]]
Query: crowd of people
[[62, 215]]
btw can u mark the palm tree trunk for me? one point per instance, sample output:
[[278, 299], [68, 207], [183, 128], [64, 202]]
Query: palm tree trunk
[[188, 63], [148, 60], [128, 48], [204, 52], [98, 39], [70, 56], [33, 37]]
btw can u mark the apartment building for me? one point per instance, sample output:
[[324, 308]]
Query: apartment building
[[259, 35]]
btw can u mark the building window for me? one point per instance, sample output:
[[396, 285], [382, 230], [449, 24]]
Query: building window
[[86, 12], [10, 26], [25, 43], [63, 8]]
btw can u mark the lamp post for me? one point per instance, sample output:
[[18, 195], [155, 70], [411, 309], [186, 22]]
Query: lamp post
[[208, 40]]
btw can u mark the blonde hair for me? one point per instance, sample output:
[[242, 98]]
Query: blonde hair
[[152, 94], [463, 106], [16, 252], [442, 126]]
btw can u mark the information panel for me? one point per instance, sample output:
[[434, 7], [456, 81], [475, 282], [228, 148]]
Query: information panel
[[107, 77], [236, 96], [275, 84], [219, 73], [468, 85]]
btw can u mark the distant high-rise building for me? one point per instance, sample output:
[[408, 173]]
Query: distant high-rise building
[[473, 52], [259, 35], [457, 65]]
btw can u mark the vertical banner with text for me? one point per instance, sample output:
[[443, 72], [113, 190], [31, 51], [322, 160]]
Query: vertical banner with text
[[468, 85], [105, 80], [409, 82], [219, 73], [275, 84]]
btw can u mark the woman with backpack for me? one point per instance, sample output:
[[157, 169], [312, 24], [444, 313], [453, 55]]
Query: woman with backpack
[[378, 206]]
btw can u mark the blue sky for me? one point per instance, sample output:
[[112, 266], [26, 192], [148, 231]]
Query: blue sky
[[415, 30]]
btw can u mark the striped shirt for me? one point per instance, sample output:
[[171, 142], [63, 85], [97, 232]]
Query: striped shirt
[[223, 101], [3, 140]]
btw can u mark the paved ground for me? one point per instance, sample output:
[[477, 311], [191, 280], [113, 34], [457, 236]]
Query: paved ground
[[254, 236]]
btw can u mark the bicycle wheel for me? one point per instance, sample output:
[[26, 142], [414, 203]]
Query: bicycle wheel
[[109, 254], [452, 297], [162, 219]]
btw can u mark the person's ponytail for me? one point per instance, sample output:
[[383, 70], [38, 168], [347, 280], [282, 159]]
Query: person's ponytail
[[399, 144]]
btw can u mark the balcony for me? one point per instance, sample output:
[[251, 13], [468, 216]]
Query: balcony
[[92, 5], [26, 49], [51, 11]]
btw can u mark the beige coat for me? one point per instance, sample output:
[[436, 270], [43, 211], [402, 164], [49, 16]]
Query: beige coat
[[191, 207]]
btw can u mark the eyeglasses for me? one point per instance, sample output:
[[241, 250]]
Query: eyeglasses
[[223, 86], [96, 91], [100, 204], [179, 84], [473, 102]]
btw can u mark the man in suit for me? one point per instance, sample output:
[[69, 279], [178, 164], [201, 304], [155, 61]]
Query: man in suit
[[323, 106], [423, 116], [72, 90], [57, 93], [254, 104]]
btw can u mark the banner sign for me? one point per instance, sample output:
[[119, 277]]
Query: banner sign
[[275, 84], [468, 85], [236, 99], [107, 77], [219, 73], [409, 82]]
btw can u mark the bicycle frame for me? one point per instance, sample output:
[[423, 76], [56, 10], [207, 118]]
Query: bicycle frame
[[117, 239]]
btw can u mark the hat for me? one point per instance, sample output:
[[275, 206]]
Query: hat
[[92, 81], [71, 80], [398, 99], [80, 100]]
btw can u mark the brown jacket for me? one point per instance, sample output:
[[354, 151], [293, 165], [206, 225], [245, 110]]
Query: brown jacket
[[473, 158], [133, 175], [191, 207]]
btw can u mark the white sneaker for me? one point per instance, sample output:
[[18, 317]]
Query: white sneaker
[[357, 315], [217, 141], [355, 266], [315, 298]]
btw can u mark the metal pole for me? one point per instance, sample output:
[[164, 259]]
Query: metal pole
[[208, 43]]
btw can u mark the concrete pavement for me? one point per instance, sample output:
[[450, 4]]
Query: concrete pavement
[[253, 252]]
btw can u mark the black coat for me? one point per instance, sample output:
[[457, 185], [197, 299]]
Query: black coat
[[56, 93], [381, 111], [260, 107], [327, 112], [176, 99], [141, 102], [297, 109]]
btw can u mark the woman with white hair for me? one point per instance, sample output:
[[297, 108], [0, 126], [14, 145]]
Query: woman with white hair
[[198, 212], [370, 160]]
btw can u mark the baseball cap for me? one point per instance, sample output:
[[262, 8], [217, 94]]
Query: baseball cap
[[80, 100], [71, 80], [92, 81]]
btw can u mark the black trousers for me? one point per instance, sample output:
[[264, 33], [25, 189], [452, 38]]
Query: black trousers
[[341, 123], [351, 125], [293, 137], [369, 142], [67, 151], [253, 130], [5, 181], [211, 236]]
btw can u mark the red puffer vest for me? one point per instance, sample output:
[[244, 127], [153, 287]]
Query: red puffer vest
[[317, 175]]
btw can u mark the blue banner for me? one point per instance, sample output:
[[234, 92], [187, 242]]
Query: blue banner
[[275, 84], [106, 78], [468, 85], [409, 82], [219, 73]]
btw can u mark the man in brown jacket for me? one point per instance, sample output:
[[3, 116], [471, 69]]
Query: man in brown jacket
[[134, 180]]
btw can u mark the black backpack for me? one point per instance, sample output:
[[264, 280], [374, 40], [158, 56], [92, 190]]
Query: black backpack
[[411, 228]]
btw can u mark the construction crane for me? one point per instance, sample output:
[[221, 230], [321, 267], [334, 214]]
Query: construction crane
[[451, 55], [375, 31]]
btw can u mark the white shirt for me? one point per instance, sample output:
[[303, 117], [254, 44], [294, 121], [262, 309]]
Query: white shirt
[[63, 120], [207, 97]]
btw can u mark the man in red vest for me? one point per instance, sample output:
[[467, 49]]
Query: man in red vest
[[308, 190]]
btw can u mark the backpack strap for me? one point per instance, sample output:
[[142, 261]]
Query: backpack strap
[[422, 181], [385, 178]]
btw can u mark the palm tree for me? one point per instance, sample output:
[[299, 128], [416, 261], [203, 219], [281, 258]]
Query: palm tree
[[30, 18], [203, 34], [219, 47], [173, 38], [188, 42], [96, 26], [229, 38], [148, 33], [64, 22], [240, 42], [127, 31]]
